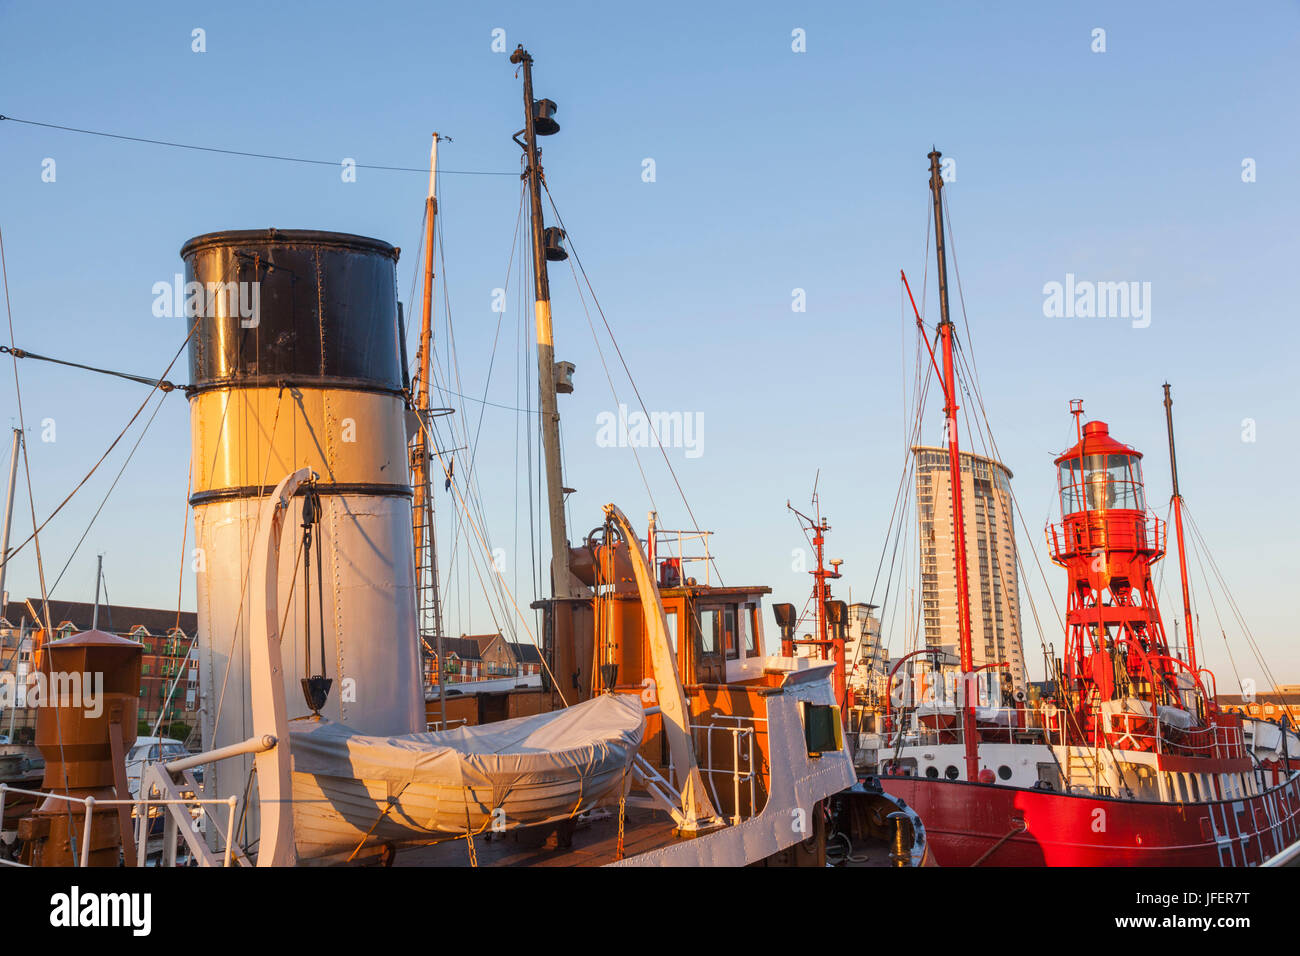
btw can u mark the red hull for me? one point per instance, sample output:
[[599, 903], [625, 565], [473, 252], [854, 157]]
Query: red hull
[[981, 824]]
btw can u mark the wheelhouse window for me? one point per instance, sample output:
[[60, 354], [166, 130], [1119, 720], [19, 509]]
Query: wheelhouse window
[[710, 630], [749, 629], [730, 641], [719, 631]]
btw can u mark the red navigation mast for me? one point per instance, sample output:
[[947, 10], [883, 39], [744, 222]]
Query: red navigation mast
[[831, 643], [1178, 530], [967, 684]]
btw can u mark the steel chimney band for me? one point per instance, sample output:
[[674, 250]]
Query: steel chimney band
[[296, 381], [323, 488]]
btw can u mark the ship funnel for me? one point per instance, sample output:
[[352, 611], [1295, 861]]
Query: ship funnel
[[295, 362]]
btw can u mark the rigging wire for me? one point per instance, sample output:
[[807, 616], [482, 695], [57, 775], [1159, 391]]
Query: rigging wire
[[457, 494], [470, 473], [610, 379], [1215, 606], [247, 154], [180, 590], [40, 564], [973, 376], [623, 361], [911, 431], [108, 493], [95, 467], [1229, 599]]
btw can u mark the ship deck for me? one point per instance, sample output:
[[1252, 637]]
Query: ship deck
[[589, 841]]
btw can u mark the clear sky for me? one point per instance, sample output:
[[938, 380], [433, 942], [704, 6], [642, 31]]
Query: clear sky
[[775, 170]]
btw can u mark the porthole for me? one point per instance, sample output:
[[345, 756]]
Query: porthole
[[952, 773], [1004, 772], [932, 772]]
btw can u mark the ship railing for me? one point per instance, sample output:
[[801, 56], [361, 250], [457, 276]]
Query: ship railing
[[676, 546], [140, 807], [435, 725], [1217, 740], [736, 738], [1107, 531], [993, 725]]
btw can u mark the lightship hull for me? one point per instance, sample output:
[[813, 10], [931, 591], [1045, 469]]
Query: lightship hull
[[990, 825]]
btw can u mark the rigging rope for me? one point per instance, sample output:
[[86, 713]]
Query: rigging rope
[[1229, 599], [251, 155], [18, 353], [157, 385], [75, 842], [623, 361], [107, 495]]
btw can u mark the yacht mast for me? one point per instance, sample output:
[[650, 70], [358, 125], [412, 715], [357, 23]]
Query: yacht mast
[[538, 122], [967, 684]]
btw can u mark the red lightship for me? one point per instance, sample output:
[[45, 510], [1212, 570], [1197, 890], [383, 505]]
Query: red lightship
[[1130, 761]]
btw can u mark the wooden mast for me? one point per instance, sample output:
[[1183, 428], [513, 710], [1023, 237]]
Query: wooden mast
[[954, 482], [426, 552], [1178, 529], [9, 508], [561, 578]]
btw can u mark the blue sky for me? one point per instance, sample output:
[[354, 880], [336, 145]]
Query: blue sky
[[775, 170]]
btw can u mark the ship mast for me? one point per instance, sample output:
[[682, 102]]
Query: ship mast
[[538, 122], [828, 647], [426, 549], [9, 510], [1178, 529], [954, 476]]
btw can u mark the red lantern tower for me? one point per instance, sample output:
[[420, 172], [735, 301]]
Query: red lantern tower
[[1108, 542]]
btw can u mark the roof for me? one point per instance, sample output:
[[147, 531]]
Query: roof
[[466, 648], [967, 455], [1237, 700], [484, 641], [1097, 440], [117, 618], [470, 647], [526, 653]]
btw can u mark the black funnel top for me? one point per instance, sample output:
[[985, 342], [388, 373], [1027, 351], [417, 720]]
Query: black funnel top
[[292, 306]]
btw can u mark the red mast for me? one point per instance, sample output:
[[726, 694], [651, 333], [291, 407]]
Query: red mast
[[1178, 530], [954, 474], [821, 597]]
